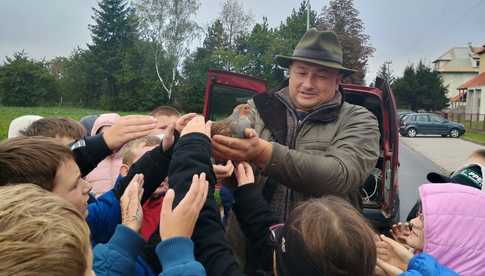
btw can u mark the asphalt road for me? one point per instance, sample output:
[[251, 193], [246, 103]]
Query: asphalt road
[[412, 173]]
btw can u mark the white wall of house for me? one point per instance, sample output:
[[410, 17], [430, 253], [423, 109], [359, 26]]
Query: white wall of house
[[454, 80], [475, 102]]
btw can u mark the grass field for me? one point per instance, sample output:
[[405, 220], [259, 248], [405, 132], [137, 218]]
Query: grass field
[[7, 114]]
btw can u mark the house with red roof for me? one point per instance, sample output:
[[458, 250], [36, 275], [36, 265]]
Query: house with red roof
[[473, 91]]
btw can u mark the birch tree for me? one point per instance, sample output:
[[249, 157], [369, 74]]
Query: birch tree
[[170, 26]]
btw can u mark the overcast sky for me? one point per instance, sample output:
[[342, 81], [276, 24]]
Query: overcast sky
[[401, 31]]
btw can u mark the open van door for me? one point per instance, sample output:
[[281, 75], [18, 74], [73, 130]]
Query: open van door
[[380, 193], [224, 90]]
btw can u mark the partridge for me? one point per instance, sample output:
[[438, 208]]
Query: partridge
[[234, 125]]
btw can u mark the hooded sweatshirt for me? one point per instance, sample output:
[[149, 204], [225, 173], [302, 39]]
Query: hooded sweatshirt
[[104, 175], [454, 226]]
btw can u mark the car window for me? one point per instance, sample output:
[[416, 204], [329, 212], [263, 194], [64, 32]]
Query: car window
[[422, 118], [410, 118], [436, 119]]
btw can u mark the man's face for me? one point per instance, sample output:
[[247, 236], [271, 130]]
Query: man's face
[[163, 122], [312, 85], [69, 185]]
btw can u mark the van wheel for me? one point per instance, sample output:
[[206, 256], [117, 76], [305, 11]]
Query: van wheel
[[454, 133], [411, 132]]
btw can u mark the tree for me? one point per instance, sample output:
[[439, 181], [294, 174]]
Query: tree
[[342, 17], [291, 31], [113, 33], [235, 21], [25, 82], [386, 73], [168, 24], [420, 88]]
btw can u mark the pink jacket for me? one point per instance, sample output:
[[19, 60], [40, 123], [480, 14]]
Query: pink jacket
[[104, 175], [454, 226]]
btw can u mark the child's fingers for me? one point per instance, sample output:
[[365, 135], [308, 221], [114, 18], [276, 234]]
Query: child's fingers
[[202, 195], [167, 204], [389, 269], [193, 190]]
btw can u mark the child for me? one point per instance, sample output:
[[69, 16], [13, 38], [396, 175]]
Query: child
[[165, 116], [41, 234], [446, 227], [64, 129], [105, 174]]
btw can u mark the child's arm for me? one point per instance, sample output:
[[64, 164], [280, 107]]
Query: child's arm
[[254, 214], [89, 151], [118, 256], [192, 156], [176, 251]]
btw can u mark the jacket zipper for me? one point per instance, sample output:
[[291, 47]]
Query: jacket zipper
[[299, 126]]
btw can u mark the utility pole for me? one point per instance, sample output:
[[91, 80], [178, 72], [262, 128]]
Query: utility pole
[[307, 15], [387, 63]]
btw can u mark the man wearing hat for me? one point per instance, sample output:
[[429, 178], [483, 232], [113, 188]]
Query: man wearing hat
[[307, 141]]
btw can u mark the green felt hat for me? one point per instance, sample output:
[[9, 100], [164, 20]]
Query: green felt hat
[[317, 47]]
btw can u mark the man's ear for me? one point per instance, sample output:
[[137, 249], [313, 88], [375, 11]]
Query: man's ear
[[124, 170], [338, 80]]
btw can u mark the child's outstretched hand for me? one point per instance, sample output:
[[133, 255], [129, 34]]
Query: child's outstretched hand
[[131, 209], [198, 125], [223, 171], [244, 174], [128, 128], [400, 232], [392, 257], [180, 222]]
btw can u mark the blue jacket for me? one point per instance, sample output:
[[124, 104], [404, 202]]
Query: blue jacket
[[426, 265], [118, 256], [104, 214], [177, 258]]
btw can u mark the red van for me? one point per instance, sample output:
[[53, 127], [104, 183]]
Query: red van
[[380, 193]]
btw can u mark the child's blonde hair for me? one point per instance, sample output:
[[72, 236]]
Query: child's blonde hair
[[41, 233]]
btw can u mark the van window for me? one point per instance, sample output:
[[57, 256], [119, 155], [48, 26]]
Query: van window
[[223, 99]]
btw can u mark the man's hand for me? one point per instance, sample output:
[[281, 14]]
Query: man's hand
[[223, 171], [128, 128], [250, 149], [183, 121], [197, 125], [180, 222], [244, 174], [131, 210]]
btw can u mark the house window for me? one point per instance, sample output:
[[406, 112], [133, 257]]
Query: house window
[[478, 63]]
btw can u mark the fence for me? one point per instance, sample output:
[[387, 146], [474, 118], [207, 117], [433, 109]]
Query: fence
[[472, 121]]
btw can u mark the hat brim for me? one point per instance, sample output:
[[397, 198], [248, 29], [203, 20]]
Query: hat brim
[[438, 178], [285, 61]]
